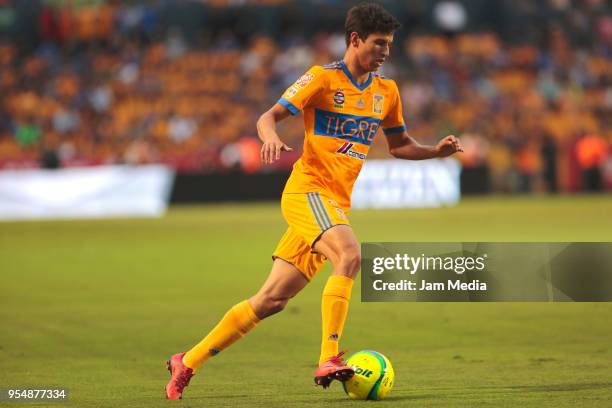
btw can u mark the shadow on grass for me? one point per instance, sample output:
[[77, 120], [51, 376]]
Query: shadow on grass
[[395, 398], [559, 387], [416, 395], [526, 388]]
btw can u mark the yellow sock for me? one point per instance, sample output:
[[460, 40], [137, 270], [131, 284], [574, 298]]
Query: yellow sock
[[334, 307], [237, 322]]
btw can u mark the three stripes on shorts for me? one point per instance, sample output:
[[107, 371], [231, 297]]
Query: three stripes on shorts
[[318, 209]]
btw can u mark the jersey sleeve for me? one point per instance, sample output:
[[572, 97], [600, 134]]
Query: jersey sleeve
[[298, 95], [393, 122]]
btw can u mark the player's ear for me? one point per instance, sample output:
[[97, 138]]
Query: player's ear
[[354, 39]]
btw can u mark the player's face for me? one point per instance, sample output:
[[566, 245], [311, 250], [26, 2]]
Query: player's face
[[374, 50]]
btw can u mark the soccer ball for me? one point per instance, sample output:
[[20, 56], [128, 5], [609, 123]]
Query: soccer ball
[[373, 377]]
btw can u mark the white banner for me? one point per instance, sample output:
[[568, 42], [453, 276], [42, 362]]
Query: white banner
[[403, 183], [90, 192]]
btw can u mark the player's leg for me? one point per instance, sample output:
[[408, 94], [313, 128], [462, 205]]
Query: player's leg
[[284, 282], [340, 246], [318, 223]]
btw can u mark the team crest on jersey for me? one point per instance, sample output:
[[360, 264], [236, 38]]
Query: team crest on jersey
[[345, 149], [339, 99], [377, 106]]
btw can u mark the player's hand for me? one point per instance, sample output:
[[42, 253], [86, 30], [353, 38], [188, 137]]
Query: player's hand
[[270, 151], [447, 146]]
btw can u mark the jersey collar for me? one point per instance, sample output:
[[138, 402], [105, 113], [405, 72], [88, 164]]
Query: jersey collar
[[350, 77]]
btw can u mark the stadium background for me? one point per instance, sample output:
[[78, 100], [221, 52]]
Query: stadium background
[[526, 85], [97, 305]]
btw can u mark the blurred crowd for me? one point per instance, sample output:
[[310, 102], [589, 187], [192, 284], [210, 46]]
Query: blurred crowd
[[98, 88]]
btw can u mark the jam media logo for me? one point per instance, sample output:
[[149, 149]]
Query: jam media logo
[[377, 103], [345, 149], [339, 99]]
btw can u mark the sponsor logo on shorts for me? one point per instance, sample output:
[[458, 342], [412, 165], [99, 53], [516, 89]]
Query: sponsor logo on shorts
[[345, 149]]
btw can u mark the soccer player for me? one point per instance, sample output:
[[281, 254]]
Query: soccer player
[[344, 104]]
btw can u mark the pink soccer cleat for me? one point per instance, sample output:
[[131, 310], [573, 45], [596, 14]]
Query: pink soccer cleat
[[333, 369], [181, 375]]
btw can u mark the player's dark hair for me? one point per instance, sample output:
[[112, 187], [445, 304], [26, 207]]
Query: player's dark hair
[[368, 18]]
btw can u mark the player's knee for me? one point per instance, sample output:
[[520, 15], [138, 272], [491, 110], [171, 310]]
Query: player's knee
[[273, 304], [350, 260], [278, 305]]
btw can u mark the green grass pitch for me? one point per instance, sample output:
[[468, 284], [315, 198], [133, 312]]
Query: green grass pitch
[[97, 307]]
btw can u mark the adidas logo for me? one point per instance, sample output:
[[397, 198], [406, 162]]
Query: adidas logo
[[333, 337], [361, 104]]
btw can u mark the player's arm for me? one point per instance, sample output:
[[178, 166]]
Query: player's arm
[[293, 101], [403, 146], [266, 129]]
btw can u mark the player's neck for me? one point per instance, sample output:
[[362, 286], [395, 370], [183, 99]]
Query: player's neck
[[357, 72]]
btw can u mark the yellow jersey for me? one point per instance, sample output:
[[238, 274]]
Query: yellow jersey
[[341, 119]]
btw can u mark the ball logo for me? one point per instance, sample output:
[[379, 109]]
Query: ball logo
[[362, 372]]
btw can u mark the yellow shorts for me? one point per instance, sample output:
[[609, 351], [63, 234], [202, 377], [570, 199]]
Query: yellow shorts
[[309, 215]]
